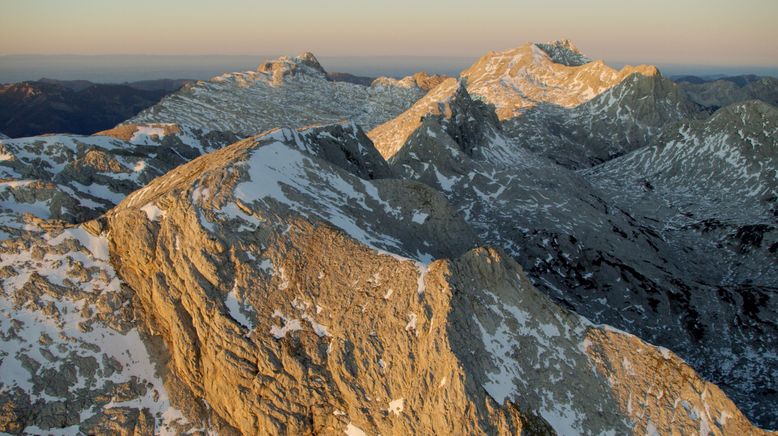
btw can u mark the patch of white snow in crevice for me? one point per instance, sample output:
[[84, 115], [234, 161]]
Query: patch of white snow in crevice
[[290, 325], [153, 213], [236, 307], [145, 135]]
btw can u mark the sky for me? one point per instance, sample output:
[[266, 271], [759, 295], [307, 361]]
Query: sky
[[724, 33]]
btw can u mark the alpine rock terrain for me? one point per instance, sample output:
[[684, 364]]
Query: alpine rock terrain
[[74, 177], [284, 92], [542, 245]]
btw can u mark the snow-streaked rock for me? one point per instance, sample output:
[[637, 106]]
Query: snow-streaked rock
[[709, 189], [296, 282], [74, 178], [259, 287], [449, 100], [286, 92], [564, 52], [72, 360], [623, 118], [589, 250]]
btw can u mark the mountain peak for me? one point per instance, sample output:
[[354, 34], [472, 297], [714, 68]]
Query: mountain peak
[[307, 58], [284, 66], [563, 51], [466, 120]]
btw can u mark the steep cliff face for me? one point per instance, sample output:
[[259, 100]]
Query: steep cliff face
[[450, 103], [296, 282], [564, 52], [252, 305], [558, 103]]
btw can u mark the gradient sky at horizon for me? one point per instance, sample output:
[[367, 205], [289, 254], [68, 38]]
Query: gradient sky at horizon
[[711, 32]]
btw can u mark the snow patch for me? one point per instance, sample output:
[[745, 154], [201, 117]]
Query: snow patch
[[352, 430], [419, 217], [396, 406], [153, 213], [236, 307]]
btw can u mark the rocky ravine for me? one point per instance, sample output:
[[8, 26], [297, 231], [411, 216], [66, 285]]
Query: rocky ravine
[[233, 269]]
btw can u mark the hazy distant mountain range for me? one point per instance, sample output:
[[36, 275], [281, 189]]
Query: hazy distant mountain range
[[543, 244], [75, 106]]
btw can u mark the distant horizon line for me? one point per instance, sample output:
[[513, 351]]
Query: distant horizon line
[[118, 68], [368, 56]]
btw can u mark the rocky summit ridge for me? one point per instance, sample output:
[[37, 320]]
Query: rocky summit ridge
[[543, 245], [564, 52], [288, 91], [517, 79]]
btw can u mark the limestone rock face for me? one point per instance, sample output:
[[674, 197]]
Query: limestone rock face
[[74, 178], [450, 104], [250, 308], [286, 92], [521, 78], [457, 270], [557, 103], [279, 69], [421, 80]]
